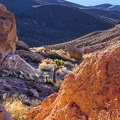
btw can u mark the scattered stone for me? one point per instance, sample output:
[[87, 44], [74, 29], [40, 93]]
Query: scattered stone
[[21, 77], [5, 73], [7, 87], [14, 74], [26, 77], [31, 77], [21, 73], [27, 102], [39, 88], [33, 93]]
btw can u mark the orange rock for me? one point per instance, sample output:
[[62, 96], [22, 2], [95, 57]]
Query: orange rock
[[8, 37], [91, 91]]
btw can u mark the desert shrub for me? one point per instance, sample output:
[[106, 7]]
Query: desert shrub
[[47, 79], [59, 62], [46, 65]]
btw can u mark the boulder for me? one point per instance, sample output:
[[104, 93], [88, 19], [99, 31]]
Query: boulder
[[91, 91], [33, 93], [15, 62], [8, 36], [4, 114], [30, 56], [73, 52], [20, 45]]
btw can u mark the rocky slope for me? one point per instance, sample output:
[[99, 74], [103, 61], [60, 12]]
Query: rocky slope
[[93, 41], [91, 91]]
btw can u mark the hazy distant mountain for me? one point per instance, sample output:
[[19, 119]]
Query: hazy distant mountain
[[101, 6], [107, 7], [105, 14], [114, 8]]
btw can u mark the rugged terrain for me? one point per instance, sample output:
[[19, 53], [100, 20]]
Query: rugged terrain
[[22, 72], [91, 91]]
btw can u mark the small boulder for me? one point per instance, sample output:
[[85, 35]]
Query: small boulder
[[7, 87], [33, 93], [30, 56], [20, 45], [74, 52]]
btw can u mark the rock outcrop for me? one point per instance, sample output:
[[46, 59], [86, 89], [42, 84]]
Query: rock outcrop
[[73, 52], [8, 36], [30, 56], [91, 91], [15, 62]]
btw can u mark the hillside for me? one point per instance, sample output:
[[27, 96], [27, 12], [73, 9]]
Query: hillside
[[52, 24], [18, 6], [93, 41], [22, 5]]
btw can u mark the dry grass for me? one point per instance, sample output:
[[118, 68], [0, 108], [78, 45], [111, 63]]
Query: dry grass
[[14, 106]]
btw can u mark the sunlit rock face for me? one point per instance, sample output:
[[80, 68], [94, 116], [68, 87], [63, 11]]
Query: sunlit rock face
[[90, 92], [8, 36]]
